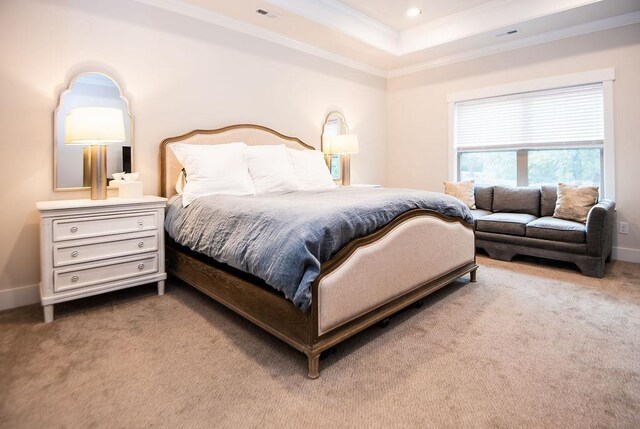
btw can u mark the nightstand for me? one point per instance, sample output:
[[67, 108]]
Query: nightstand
[[88, 247]]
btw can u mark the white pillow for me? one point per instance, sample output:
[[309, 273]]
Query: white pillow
[[271, 169], [311, 169], [180, 182], [213, 169]]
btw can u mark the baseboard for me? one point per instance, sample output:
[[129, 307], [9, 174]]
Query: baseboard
[[18, 297], [627, 255]]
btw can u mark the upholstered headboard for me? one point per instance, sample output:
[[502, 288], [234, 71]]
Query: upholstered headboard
[[250, 134]]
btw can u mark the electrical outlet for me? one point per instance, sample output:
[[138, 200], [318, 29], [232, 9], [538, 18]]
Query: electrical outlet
[[623, 227]]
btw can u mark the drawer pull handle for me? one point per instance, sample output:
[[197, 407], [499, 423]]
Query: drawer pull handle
[[74, 279], [140, 266], [74, 229], [74, 254], [141, 244], [140, 223]]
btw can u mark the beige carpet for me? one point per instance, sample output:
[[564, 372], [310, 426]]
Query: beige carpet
[[526, 346]]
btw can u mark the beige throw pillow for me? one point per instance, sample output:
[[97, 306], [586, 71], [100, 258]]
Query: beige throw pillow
[[574, 202], [462, 191]]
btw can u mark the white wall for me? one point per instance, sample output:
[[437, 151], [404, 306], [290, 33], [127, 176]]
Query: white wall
[[417, 112], [178, 74]]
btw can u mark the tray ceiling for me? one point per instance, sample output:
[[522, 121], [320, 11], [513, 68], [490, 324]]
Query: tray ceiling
[[376, 36]]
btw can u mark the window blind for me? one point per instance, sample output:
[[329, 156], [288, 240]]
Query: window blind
[[562, 117]]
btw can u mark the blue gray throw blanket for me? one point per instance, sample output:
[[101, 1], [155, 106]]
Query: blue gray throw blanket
[[283, 238]]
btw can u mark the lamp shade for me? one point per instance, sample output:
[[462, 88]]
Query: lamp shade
[[344, 144], [94, 126]]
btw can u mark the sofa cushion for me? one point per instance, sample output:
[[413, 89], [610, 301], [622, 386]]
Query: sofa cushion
[[505, 223], [479, 213], [484, 197], [516, 200], [548, 197], [551, 228]]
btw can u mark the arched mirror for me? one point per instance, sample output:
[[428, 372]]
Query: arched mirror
[[72, 162], [334, 125]]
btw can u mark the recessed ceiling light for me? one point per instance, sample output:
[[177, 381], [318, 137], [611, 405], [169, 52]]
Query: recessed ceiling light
[[415, 10]]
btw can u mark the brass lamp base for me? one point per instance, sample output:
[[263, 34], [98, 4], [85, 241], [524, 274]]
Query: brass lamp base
[[346, 169], [98, 172]]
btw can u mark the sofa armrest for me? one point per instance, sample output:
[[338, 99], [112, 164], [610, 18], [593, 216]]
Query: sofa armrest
[[600, 229]]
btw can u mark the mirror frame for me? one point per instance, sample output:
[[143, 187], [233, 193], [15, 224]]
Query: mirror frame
[[55, 130], [324, 126], [333, 161]]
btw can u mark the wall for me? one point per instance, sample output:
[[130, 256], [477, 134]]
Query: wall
[[417, 112], [178, 74]]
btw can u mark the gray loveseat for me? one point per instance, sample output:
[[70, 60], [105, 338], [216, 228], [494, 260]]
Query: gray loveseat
[[519, 220]]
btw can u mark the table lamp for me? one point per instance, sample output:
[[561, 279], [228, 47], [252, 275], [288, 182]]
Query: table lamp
[[95, 127], [344, 145]]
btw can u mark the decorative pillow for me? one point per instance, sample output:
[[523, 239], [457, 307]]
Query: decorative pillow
[[271, 169], [213, 169], [311, 169], [462, 191], [574, 202]]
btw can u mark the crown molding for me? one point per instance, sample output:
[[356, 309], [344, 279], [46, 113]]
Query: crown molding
[[577, 30], [466, 23], [340, 17], [481, 19], [207, 15]]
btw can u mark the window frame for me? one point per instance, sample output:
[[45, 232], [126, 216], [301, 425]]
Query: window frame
[[602, 76]]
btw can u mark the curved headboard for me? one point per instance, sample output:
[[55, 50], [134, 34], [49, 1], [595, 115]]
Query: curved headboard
[[248, 133]]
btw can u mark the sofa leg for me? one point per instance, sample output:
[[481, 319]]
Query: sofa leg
[[501, 255], [591, 268]]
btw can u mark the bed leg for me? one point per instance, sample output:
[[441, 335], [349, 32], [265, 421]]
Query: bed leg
[[314, 365], [472, 274]]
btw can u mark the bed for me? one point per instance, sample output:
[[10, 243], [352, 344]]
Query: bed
[[421, 251]]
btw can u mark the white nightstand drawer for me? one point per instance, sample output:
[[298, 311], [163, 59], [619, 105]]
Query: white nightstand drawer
[[79, 251], [66, 279], [70, 229]]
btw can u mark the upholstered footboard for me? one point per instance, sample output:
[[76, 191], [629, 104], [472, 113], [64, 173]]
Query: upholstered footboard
[[375, 276], [412, 253]]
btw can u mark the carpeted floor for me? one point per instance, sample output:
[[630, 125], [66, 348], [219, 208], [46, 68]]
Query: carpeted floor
[[529, 345]]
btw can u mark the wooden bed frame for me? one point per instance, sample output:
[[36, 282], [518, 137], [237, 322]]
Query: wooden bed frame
[[394, 246]]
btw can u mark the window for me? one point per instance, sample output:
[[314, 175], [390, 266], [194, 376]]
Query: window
[[532, 138]]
